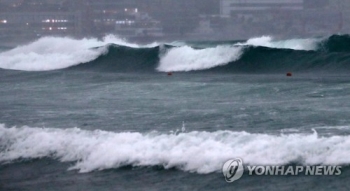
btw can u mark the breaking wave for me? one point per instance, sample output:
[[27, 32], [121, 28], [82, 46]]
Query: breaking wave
[[295, 44], [186, 58], [197, 151], [52, 53], [262, 54]]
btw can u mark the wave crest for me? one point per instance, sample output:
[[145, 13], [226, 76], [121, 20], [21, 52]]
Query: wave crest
[[200, 152], [186, 58], [262, 54], [294, 44], [52, 53]]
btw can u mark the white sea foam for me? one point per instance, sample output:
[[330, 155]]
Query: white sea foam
[[201, 152], [186, 58], [295, 44], [51, 53]]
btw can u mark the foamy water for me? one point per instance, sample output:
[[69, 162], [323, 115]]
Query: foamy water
[[295, 44], [197, 151], [186, 58], [52, 53]]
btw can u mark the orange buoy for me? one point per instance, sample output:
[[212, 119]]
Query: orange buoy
[[170, 73], [289, 74]]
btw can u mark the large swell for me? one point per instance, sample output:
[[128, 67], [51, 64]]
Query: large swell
[[52, 53], [262, 54], [99, 150]]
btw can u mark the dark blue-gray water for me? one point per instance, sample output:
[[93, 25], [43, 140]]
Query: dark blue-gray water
[[132, 119]]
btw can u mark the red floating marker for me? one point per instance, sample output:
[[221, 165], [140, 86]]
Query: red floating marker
[[170, 73], [289, 74]]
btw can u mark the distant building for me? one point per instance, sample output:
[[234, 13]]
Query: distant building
[[230, 7], [106, 15], [124, 18], [142, 26], [11, 3], [39, 24], [178, 17], [315, 4]]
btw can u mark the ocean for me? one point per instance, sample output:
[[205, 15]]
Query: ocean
[[93, 114]]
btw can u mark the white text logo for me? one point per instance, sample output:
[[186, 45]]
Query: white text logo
[[233, 170]]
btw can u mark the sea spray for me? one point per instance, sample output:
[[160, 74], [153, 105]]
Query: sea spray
[[195, 151]]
